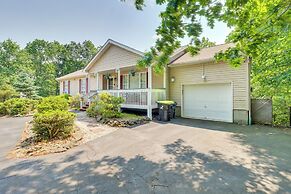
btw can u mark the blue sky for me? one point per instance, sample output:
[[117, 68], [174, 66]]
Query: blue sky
[[79, 20]]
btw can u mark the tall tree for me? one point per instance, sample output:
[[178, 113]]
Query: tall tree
[[44, 56], [25, 86], [75, 56], [261, 30]]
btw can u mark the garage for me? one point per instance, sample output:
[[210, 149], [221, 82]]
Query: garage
[[208, 101]]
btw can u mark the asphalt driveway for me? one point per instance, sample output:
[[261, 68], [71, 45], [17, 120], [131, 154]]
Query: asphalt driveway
[[184, 156], [10, 131]]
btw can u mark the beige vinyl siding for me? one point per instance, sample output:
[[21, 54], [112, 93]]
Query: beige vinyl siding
[[215, 73], [114, 58], [92, 82], [158, 80], [74, 86]]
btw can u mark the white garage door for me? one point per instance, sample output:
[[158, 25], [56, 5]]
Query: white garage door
[[208, 101]]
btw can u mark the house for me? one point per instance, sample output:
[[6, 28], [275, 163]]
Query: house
[[202, 87]]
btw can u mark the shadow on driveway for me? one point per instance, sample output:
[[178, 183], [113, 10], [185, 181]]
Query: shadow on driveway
[[185, 171]]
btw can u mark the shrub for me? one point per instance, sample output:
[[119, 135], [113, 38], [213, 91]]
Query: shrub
[[74, 101], [281, 111], [2, 109], [66, 96], [92, 110], [7, 92], [18, 106], [53, 124], [106, 105], [53, 103]]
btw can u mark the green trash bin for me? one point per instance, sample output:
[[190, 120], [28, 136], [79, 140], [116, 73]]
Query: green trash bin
[[166, 110]]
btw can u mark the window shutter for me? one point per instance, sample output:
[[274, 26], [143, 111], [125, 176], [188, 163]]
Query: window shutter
[[121, 82], [69, 87], [87, 84], [80, 85]]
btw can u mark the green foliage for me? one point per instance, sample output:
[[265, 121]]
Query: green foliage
[[74, 101], [52, 103], [53, 124], [18, 106], [2, 109], [7, 92], [92, 110], [260, 30], [44, 61], [107, 106], [281, 111], [25, 85]]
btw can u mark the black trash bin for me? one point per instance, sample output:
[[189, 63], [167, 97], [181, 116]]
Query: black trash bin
[[167, 110]]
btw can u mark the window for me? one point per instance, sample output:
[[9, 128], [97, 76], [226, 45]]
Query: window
[[83, 86], [66, 89], [143, 80], [110, 83], [125, 81]]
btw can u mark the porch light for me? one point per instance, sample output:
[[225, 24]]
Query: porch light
[[172, 79]]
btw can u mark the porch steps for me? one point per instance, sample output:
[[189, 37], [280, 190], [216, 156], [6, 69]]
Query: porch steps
[[84, 107]]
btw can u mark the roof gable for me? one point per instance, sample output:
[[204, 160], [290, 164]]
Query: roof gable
[[105, 47]]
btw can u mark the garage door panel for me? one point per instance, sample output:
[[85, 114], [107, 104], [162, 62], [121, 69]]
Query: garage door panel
[[208, 101]]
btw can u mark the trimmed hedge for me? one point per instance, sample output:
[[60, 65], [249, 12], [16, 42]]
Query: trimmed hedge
[[53, 124], [107, 106], [18, 106], [53, 103]]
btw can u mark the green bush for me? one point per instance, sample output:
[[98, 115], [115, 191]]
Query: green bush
[[107, 106], [281, 111], [2, 109], [66, 96], [53, 124], [52, 103], [92, 110], [18, 106], [7, 92], [74, 101]]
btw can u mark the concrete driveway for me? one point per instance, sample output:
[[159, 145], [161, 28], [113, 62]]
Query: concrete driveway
[[184, 156], [10, 131]]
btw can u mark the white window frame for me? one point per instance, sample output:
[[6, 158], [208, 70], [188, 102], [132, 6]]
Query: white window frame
[[66, 89], [127, 84], [83, 86], [140, 81], [113, 83]]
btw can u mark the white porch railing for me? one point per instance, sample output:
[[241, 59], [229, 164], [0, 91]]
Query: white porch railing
[[137, 98]]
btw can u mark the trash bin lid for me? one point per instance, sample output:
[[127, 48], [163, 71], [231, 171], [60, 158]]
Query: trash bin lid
[[166, 102]]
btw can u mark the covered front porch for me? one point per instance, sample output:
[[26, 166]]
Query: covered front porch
[[140, 88]]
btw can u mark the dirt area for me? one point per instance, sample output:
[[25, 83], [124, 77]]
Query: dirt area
[[85, 130]]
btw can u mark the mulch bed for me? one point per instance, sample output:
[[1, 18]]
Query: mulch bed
[[29, 145], [120, 122]]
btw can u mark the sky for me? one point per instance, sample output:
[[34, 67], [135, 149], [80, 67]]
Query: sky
[[79, 20]]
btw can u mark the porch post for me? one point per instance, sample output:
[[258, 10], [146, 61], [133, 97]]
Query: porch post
[[97, 81], [149, 109], [118, 81]]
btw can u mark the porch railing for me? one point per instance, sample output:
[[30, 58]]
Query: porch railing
[[137, 98]]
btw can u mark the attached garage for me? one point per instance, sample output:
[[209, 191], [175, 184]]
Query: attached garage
[[210, 90], [208, 101]]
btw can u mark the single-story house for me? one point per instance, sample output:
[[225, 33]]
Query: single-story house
[[203, 88]]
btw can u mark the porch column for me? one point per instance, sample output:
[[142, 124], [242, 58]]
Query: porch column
[[118, 81], [149, 110], [97, 81]]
